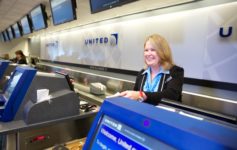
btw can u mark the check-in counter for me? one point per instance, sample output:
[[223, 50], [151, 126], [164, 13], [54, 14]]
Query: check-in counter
[[32, 119], [214, 103], [42, 132]]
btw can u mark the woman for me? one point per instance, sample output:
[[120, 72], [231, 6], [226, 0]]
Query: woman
[[160, 78], [20, 57]]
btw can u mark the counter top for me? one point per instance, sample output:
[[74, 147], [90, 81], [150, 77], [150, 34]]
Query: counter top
[[226, 94], [20, 125], [117, 76]]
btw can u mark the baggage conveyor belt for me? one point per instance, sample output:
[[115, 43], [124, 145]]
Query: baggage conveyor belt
[[98, 100]]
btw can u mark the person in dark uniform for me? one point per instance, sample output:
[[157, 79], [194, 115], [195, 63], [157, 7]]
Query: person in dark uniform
[[160, 78], [20, 57]]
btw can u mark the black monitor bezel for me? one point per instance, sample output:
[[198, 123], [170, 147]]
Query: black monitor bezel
[[67, 78], [74, 6], [111, 6]]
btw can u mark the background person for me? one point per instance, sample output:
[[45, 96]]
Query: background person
[[20, 57]]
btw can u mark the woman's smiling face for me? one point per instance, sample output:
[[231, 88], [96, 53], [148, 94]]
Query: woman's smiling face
[[150, 55]]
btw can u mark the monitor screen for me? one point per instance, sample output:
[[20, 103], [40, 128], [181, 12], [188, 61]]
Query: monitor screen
[[17, 31], [5, 34], [2, 37], [11, 85], [62, 11], [100, 5], [37, 16], [25, 24], [112, 134], [9, 30]]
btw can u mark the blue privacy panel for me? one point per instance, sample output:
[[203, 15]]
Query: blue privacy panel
[[15, 91], [3, 66], [122, 123]]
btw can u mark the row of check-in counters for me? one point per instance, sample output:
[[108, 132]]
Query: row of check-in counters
[[216, 103], [66, 116]]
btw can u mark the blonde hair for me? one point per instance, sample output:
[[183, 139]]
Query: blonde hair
[[162, 49]]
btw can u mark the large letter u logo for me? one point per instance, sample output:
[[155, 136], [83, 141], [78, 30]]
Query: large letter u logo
[[222, 34]]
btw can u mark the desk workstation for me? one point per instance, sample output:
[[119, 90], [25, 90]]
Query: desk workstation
[[194, 110], [205, 100], [118, 75], [23, 121], [25, 129], [35, 100]]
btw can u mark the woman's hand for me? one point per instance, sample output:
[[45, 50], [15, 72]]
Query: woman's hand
[[135, 95]]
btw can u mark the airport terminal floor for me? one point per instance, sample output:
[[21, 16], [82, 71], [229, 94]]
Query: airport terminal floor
[[118, 75]]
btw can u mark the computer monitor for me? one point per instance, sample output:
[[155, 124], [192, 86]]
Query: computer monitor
[[63, 11], [6, 36], [116, 135], [17, 30], [68, 79], [122, 123], [33, 60], [26, 25], [10, 33], [38, 17], [2, 37], [3, 66], [100, 5], [12, 84], [14, 92]]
